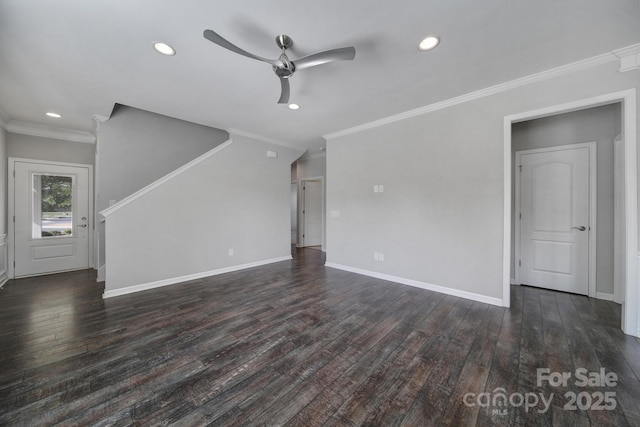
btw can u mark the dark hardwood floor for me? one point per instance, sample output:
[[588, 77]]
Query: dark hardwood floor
[[298, 344]]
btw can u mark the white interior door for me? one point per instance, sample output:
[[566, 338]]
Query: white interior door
[[312, 213], [555, 192], [51, 218]]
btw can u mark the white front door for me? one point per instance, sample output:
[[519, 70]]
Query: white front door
[[312, 213], [555, 192], [51, 218]]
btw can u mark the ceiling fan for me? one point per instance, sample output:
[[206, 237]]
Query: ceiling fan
[[283, 66]]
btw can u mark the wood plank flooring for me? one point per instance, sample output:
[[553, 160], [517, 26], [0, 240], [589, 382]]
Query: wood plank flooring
[[298, 344]]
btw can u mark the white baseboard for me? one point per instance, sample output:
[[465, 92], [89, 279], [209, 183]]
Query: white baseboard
[[436, 288], [605, 296], [4, 273], [174, 280]]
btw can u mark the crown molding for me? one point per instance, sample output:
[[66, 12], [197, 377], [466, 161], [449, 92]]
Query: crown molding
[[492, 90], [3, 120], [33, 129], [239, 132], [100, 119], [308, 156], [629, 57]]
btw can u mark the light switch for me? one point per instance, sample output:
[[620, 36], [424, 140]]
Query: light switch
[[335, 214]]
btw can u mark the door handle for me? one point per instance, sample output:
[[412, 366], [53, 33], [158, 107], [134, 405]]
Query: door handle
[[85, 225], [581, 228]]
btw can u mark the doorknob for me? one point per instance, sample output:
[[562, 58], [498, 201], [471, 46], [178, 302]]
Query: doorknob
[[82, 225], [581, 228]]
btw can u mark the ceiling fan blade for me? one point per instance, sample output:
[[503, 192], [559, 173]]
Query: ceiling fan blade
[[341, 54], [221, 41], [284, 94]]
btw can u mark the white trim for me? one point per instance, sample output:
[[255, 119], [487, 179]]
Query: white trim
[[604, 296], [233, 131], [11, 208], [593, 211], [629, 57], [100, 119], [50, 132], [4, 260], [111, 209], [417, 284], [306, 156], [3, 120], [628, 99], [174, 280], [618, 221], [492, 90]]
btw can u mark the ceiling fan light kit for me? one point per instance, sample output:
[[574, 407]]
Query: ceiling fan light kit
[[284, 67]]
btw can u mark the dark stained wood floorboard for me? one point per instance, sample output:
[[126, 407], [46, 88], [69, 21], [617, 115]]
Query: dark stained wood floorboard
[[297, 344]]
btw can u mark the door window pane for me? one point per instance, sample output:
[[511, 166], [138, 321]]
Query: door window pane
[[52, 206]]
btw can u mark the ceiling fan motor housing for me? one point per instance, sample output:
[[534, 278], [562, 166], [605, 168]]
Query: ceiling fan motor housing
[[284, 42]]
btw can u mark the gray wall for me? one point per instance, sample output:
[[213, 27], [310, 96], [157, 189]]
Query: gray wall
[[136, 148], [440, 218], [37, 148], [236, 198], [601, 124], [49, 149], [311, 167], [3, 181]]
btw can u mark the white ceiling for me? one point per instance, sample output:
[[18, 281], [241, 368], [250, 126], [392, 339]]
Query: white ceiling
[[79, 58]]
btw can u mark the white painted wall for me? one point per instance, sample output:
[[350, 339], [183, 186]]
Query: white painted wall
[[440, 218], [602, 125], [237, 198]]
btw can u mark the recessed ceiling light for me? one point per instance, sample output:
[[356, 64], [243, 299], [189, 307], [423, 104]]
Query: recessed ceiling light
[[54, 115], [164, 48], [294, 107], [429, 43]]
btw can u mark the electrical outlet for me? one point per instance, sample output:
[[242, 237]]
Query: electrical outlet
[[380, 257], [230, 252], [376, 256]]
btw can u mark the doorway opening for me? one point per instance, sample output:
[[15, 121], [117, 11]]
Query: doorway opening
[[311, 212], [626, 102]]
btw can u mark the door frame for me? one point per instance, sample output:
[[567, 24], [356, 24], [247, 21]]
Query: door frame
[[301, 202], [628, 100], [593, 168], [11, 208]]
